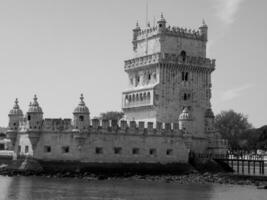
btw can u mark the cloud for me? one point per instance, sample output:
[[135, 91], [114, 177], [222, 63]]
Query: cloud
[[234, 93], [227, 9]]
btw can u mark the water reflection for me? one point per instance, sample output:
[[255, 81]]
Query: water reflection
[[38, 188]]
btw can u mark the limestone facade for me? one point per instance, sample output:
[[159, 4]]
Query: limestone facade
[[169, 72]]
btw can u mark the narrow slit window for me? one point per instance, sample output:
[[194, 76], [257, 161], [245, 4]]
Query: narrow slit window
[[152, 152], [65, 149], [117, 150], [99, 150], [169, 152], [136, 151]]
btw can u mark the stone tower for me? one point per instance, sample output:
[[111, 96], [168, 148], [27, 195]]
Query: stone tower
[[81, 116], [169, 72], [15, 116], [34, 115]]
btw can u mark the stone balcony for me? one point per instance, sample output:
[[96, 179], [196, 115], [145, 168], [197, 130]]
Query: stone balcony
[[162, 58], [137, 98]]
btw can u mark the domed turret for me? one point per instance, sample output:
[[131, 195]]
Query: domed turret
[[35, 114], [204, 30], [161, 23], [15, 116], [185, 115], [81, 116], [185, 120], [34, 107]]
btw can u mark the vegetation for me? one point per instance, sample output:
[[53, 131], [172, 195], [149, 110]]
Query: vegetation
[[111, 115], [3, 130], [240, 134]]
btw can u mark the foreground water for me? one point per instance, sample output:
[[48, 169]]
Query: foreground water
[[41, 188]]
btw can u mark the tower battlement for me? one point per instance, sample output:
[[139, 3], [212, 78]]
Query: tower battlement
[[168, 58], [188, 33], [169, 39]]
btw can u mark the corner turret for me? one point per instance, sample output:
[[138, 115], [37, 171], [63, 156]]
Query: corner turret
[[161, 23], [15, 117], [185, 121], [81, 116], [34, 115], [204, 31]]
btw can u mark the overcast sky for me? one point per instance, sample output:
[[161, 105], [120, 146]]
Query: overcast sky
[[58, 49]]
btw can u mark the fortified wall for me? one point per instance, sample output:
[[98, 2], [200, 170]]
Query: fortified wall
[[166, 105]]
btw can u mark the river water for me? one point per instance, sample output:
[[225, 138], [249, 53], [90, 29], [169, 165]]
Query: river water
[[41, 188]]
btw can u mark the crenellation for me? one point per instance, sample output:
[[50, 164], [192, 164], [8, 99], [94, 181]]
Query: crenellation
[[105, 125], [169, 58], [150, 128], [133, 127], [95, 123], [173, 30], [158, 126], [123, 126], [141, 127]]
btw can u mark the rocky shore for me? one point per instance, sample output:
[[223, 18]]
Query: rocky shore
[[193, 177]]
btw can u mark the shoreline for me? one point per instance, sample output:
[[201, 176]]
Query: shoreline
[[188, 178]]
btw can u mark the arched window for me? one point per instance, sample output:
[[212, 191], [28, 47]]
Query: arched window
[[148, 95], [81, 117], [186, 76], [183, 54]]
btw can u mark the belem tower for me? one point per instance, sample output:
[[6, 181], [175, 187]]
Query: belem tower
[[167, 110]]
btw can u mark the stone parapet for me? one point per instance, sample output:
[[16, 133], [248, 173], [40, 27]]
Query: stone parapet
[[175, 31], [135, 128], [158, 58]]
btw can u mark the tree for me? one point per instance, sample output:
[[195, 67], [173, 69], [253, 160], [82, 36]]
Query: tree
[[233, 127], [112, 115]]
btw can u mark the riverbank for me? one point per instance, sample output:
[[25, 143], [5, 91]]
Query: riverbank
[[193, 177]]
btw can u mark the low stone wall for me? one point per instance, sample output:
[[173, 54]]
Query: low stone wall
[[115, 168]]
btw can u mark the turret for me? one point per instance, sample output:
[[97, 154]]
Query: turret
[[136, 30], [204, 31], [15, 116], [34, 115], [185, 121], [161, 23], [81, 116]]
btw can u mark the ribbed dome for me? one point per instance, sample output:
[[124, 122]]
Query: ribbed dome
[[81, 108], [185, 115], [34, 107], [209, 113], [16, 110]]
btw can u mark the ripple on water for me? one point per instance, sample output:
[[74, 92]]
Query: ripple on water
[[41, 188]]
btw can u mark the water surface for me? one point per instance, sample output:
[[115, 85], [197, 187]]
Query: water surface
[[41, 188]]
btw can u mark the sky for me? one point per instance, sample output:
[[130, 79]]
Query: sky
[[59, 49]]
